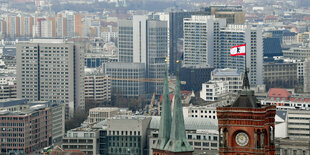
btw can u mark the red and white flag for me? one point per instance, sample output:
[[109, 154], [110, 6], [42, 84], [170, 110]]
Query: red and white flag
[[237, 50]]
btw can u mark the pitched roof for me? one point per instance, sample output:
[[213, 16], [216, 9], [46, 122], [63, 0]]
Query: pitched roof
[[278, 93]]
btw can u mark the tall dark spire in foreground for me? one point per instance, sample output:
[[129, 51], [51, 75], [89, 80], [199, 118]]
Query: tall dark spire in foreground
[[178, 141], [165, 119]]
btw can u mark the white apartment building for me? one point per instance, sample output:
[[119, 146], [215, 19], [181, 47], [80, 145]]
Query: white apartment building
[[214, 90], [199, 39], [234, 35], [200, 112], [51, 70], [97, 87], [233, 76], [102, 113]]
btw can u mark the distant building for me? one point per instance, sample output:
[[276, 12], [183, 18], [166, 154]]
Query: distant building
[[232, 14], [127, 78], [272, 47], [243, 34], [175, 33], [51, 70], [306, 75], [300, 53], [93, 60], [199, 32], [145, 40], [194, 76], [280, 75]]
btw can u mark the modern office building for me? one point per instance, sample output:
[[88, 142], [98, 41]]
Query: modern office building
[[51, 70], [234, 35], [145, 40], [199, 39], [128, 79], [175, 22]]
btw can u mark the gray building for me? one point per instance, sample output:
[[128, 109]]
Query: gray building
[[200, 32], [51, 70], [127, 78], [145, 40], [84, 139], [127, 135], [280, 75], [234, 35]]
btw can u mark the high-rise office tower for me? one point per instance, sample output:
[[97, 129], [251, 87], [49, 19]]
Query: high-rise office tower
[[51, 70], [199, 35], [234, 35], [175, 34], [144, 40]]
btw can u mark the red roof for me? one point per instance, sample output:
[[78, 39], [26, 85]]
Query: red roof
[[278, 93]]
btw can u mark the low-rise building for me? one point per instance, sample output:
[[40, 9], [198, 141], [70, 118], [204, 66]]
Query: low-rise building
[[102, 113], [83, 139], [233, 76], [200, 112], [127, 134], [57, 113], [214, 90], [26, 131]]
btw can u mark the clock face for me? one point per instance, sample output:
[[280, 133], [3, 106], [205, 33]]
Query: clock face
[[242, 139]]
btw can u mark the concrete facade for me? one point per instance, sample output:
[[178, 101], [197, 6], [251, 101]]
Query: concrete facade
[[51, 70]]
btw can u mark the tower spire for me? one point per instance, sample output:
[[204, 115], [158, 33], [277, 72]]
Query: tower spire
[[178, 141], [165, 119]]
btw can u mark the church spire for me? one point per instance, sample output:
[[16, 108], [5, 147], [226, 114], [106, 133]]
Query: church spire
[[178, 141], [165, 119]]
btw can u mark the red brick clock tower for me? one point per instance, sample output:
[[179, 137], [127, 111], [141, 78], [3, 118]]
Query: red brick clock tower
[[245, 127]]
